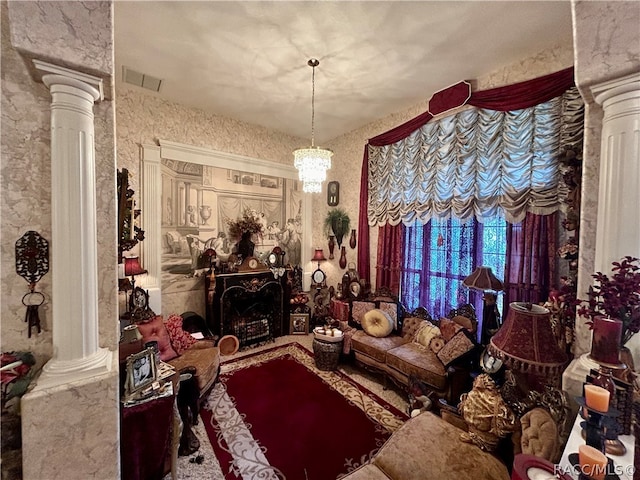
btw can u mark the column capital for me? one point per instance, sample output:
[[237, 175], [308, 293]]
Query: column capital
[[612, 88], [55, 74]]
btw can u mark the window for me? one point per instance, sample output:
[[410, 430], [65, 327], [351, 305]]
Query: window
[[440, 254]]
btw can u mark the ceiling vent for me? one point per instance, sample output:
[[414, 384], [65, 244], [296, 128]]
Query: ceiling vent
[[140, 79]]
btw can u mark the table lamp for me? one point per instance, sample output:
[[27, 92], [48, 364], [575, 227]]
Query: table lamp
[[483, 279], [318, 276], [526, 344], [132, 268]]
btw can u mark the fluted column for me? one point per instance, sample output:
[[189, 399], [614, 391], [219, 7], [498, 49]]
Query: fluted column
[[618, 217], [151, 248], [618, 227], [76, 354]]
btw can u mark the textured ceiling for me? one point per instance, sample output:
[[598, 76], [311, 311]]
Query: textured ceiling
[[248, 60]]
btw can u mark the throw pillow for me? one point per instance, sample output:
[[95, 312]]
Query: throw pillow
[[464, 322], [358, 309], [426, 332], [392, 310], [180, 340], [155, 330], [377, 323], [437, 343], [448, 328], [455, 348]]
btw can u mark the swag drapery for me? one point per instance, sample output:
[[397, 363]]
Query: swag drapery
[[411, 141]]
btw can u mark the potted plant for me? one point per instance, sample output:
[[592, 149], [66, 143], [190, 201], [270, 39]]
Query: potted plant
[[616, 297], [338, 222]]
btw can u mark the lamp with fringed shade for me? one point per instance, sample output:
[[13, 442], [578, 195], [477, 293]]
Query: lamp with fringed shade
[[482, 278], [132, 268], [525, 343]]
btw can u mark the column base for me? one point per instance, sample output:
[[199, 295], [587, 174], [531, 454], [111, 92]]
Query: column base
[[60, 372], [576, 374]]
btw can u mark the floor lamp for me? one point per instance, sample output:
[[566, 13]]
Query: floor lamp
[[483, 279]]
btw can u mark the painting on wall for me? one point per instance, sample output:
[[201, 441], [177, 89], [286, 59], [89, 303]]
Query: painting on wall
[[198, 202]]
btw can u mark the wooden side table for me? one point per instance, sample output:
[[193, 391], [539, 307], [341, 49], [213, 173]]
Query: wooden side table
[[145, 438]]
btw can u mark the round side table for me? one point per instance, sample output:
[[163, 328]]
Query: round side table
[[326, 354]]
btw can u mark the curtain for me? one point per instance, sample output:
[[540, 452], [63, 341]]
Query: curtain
[[477, 163], [520, 95], [390, 258], [530, 259]]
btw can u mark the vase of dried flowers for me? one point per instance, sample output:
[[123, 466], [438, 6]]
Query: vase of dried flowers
[[244, 228], [616, 297]]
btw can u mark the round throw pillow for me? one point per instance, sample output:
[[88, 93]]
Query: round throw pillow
[[426, 333], [377, 323]]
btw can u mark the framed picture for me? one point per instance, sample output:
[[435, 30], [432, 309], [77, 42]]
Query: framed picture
[[299, 324], [141, 372]]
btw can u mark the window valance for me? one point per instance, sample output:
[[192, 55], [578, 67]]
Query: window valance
[[478, 162]]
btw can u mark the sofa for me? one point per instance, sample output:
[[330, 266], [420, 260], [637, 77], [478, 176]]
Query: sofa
[[427, 447], [414, 348]]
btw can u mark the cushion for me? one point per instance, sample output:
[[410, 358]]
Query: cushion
[[156, 330], [180, 340], [413, 360], [374, 347], [377, 323], [455, 348], [358, 309], [464, 322], [540, 434], [437, 343], [426, 332], [410, 326], [448, 328], [392, 310]]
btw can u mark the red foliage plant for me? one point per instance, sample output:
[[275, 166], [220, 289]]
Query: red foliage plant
[[616, 297]]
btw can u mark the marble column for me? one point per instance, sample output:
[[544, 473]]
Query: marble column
[[618, 217], [76, 354]]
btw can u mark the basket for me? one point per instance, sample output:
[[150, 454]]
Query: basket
[[326, 354]]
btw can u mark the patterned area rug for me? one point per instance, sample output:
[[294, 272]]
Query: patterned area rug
[[274, 415]]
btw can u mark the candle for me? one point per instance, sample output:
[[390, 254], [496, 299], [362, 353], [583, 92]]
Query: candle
[[596, 397], [593, 462], [605, 346]]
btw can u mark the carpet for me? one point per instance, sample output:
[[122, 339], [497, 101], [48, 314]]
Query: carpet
[[274, 415]]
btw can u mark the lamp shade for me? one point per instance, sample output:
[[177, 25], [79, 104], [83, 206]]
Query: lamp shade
[[482, 278], [526, 343], [132, 267], [318, 256]]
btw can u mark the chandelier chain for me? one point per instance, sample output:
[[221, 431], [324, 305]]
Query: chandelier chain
[[313, 63]]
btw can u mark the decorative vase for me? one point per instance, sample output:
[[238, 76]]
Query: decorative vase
[[332, 245], [245, 245], [343, 258], [352, 239], [205, 214]]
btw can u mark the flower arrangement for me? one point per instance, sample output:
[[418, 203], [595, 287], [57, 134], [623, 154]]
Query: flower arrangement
[[617, 297], [569, 251], [16, 373], [250, 222]]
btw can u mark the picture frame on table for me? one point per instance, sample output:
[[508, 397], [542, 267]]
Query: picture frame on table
[[299, 324], [141, 372]]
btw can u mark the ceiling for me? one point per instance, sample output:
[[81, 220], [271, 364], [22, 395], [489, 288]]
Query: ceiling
[[248, 60]]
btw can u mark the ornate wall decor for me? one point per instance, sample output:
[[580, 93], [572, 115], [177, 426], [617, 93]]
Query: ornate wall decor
[[32, 263]]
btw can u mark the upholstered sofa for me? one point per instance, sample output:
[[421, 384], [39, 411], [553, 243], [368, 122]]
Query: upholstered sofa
[[427, 447], [437, 354]]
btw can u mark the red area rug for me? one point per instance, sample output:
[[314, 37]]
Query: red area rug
[[273, 414]]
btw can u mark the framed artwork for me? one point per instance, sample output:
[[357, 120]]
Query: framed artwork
[[299, 324], [141, 372], [201, 190]]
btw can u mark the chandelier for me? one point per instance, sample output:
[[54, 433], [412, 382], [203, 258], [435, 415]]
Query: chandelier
[[312, 162]]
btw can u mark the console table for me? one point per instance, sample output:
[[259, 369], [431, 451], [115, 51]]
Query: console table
[[249, 305]]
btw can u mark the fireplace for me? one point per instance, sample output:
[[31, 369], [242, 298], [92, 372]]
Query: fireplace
[[248, 305]]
